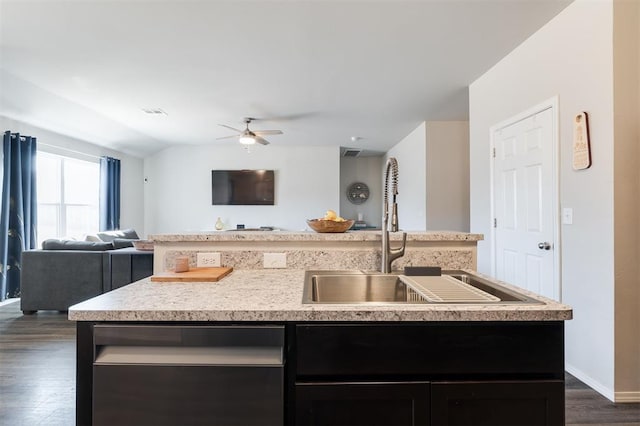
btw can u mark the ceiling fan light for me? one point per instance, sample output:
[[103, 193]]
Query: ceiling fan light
[[247, 140]]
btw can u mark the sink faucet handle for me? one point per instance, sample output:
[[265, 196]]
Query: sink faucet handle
[[398, 252], [404, 242]]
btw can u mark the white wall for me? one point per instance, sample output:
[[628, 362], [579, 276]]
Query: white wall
[[178, 187], [433, 185], [448, 175], [411, 153], [570, 57], [369, 171], [131, 202]]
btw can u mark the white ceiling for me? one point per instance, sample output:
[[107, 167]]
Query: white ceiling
[[321, 71]]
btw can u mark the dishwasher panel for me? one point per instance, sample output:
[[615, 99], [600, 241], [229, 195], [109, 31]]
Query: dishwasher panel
[[175, 375]]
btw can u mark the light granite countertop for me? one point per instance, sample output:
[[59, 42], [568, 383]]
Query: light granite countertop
[[312, 236], [276, 295]]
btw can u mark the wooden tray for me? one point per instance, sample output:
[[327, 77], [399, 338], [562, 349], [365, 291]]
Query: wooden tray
[[193, 275]]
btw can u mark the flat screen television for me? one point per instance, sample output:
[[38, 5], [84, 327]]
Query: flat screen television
[[242, 187]]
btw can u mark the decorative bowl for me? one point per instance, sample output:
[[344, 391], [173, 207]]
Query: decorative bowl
[[321, 225], [143, 245]]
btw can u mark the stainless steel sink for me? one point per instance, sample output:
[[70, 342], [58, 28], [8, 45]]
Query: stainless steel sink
[[363, 287], [351, 288]]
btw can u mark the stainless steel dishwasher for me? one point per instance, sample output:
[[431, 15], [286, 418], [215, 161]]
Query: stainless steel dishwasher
[[188, 375]]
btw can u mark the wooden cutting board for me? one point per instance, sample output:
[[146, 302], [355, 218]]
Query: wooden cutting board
[[193, 275]]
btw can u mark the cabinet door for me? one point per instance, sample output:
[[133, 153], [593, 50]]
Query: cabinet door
[[360, 404], [508, 403]]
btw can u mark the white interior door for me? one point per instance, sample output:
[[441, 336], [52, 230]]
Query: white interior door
[[524, 207]]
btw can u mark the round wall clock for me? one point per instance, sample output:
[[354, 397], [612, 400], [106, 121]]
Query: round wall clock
[[358, 192]]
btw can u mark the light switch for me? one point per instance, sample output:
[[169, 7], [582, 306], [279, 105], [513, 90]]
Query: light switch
[[567, 216]]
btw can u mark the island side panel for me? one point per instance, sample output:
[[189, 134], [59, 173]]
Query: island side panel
[[84, 373]]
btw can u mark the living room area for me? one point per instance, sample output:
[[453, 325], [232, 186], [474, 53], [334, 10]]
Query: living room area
[[61, 240]]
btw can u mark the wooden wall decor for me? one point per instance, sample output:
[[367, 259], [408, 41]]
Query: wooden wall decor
[[581, 144]]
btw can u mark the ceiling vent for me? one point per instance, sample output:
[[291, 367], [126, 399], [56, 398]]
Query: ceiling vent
[[350, 152], [154, 111]]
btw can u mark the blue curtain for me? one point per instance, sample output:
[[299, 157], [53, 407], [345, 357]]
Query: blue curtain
[[19, 215], [109, 193]]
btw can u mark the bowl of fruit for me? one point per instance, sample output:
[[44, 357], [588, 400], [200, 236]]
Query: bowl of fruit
[[331, 222]]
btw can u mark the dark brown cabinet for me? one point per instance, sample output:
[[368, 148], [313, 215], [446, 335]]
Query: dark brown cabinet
[[471, 373]]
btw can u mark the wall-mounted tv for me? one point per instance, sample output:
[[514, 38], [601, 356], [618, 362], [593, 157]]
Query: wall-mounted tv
[[242, 187]]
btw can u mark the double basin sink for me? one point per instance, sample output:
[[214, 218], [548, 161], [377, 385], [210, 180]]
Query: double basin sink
[[363, 287]]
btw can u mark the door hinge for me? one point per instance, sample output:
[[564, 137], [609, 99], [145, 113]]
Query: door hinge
[[494, 153], [495, 222]]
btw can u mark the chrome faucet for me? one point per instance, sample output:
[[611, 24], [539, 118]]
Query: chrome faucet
[[389, 254]]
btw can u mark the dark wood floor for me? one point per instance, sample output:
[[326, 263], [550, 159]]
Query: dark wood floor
[[37, 376], [37, 368]]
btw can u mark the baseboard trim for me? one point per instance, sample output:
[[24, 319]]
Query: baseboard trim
[[591, 382], [627, 397]]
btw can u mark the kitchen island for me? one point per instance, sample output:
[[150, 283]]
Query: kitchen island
[[252, 352]]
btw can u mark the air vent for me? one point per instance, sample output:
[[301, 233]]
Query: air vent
[[351, 152], [154, 111]]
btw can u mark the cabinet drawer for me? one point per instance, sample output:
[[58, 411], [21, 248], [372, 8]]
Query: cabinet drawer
[[362, 404], [442, 350], [512, 403]]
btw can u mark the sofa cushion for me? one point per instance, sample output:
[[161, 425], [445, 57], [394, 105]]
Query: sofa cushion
[[55, 244], [119, 233]]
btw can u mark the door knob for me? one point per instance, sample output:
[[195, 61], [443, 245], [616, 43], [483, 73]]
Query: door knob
[[544, 246]]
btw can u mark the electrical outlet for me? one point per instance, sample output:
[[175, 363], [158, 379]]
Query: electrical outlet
[[275, 260], [208, 259]]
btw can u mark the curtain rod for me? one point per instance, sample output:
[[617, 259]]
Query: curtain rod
[[70, 150]]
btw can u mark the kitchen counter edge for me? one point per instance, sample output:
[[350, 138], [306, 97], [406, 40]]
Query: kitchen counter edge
[[312, 236], [275, 296]]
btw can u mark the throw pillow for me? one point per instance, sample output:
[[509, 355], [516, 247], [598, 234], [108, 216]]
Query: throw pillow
[[119, 243], [129, 234]]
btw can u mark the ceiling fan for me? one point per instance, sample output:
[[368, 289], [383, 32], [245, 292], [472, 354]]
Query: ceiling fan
[[249, 137]]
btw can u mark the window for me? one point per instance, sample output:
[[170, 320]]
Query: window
[[68, 196]]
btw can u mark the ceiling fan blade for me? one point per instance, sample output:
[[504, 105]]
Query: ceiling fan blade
[[262, 141], [267, 132], [227, 137], [229, 127]]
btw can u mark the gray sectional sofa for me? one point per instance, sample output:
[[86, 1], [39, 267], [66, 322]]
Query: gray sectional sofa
[[67, 272]]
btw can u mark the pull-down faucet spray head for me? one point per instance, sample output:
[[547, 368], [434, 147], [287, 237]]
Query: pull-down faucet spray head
[[389, 254], [392, 168]]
